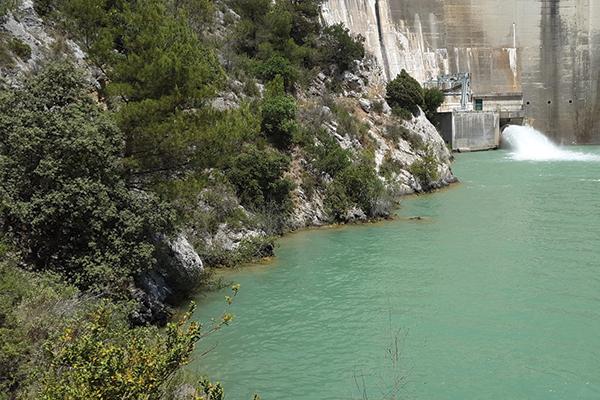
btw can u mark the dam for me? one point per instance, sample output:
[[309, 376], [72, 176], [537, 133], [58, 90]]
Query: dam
[[542, 50]]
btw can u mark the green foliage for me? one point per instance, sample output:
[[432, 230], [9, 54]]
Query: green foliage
[[20, 48], [6, 6], [6, 56], [340, 48], [30, 308], [399, 131], [433, 99], [357, 185], [44, 7], [279, 115], [326, 156], [160, 70], [165, 72], [404, 92], [378, 106], [257, 175], [275, 66], [403, 113], [98, 356], [349, 125], [64, 201], [285, 37], [57, 344], [390, 167], [249, 250], [425, 169]]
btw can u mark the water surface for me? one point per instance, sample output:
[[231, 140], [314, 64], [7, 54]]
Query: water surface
[[494, 294]]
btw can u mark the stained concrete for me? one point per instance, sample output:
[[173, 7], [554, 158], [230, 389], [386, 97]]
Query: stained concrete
[[475, 130], [547, 49]]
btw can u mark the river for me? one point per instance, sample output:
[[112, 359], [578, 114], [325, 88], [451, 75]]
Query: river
[[493, 294]]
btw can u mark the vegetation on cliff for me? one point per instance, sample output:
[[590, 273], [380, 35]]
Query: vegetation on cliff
[[405, 95], [102, 158]]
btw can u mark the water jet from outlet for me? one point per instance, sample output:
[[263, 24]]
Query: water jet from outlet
[[528, 144]]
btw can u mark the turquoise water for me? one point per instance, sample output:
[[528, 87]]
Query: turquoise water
[[494, 294]]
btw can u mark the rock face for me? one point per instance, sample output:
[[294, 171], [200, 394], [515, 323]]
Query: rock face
[[399, 146], [24, 24], [179, 270]]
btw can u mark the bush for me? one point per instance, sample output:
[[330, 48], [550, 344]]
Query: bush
[[340, 48], [275, 66], [6, 6], [44, 7], [404, 92], [97, 355], [64, 200], [433, 99], [357, 185], [258, 178], [425, 169], [390, 167], [20, 48], [31, 306], [399, 131], [279, 115], [327, 156]]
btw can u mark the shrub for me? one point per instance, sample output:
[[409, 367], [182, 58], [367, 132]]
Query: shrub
[[275, 66], [6, 6], [64, 200], [399, 131], [97, 355], [356, 185], [31, 306], [278, 115], [44, 7], [404, 92], [340, 48], [378, 106], [390, 167], [433, 99], [327, 156], [20, 48], [402, 113], [425, 169], [258, 178]]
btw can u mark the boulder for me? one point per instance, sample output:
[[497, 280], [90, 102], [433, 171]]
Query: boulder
[[354, 214], [178, 271], [366, 105], [179, 263]]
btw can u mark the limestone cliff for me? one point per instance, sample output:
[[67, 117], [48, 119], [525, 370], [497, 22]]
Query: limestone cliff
[[407, 156]]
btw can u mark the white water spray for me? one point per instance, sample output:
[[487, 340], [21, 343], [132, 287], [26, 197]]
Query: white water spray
[[528, 144]]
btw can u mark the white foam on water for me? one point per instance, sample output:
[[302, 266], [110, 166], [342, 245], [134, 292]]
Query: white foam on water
[[528, 144]]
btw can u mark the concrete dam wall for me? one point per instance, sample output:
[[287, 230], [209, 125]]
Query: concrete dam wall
[[547, 49]]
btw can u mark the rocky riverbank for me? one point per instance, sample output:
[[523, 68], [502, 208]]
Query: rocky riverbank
[[348, 110]]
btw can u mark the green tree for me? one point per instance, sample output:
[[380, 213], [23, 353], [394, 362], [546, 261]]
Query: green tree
[[433, 99], [163, 73], [340, 48], [279, 115], [257, 175], [405, 93], [64, 202], [278, 65]]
